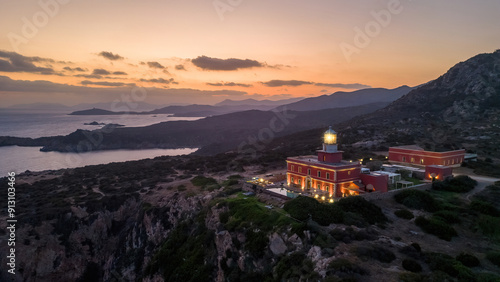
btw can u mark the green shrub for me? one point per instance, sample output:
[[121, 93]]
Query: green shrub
[[442, 262], [436, 227], [416, 199], [487, 277], [303, 207], [202, 181], [494, 257], [490, 226], [377, 252], [369, 211], [345, 266], [256, 242], [459, 184], [411, 265], [468, 260], [447, 216], [411, 277], [405, 214], [484, 208]]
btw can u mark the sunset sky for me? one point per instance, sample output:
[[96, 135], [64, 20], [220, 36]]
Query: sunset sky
[[205, 51]]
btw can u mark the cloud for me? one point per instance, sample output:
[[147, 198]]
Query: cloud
[[279, 83], [119, 73], [155, 65], [207, 63], [230, 84], [180, 67], [160, 80], [25, 89], [101, 72], [89, 76], [342, 85], [110, 56], [74, 69], [106, 83], [14, 62]]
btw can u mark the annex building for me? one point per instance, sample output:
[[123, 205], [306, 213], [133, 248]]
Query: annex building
[[414, 155], [328, 172]]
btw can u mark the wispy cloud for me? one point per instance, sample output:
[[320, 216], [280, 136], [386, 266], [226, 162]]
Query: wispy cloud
[[279, 83], [74, 69], [231, 84], [160, 80], [106, 83]]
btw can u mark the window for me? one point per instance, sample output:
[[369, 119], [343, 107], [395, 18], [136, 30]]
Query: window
[[404, 159], [292, 167], [292, 180], [324, 158], [299, 180], [309, 172], [349, 172], [319, 173], [319, 186], [300, 169], [327, 175], [421, 161], [412, 160], [326, 187]]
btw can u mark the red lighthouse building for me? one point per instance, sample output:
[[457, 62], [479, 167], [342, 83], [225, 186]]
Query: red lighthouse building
[[328, 172]]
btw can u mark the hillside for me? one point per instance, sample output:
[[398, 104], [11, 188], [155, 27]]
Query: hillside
[[220, 133], [460, 109], [152, 220], [349, 99]]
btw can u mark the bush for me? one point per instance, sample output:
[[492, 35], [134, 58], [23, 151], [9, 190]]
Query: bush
[[436, 227], [405, 214], [202, 181], [256, 243], [416, 199], [494, 257], [484, 208], [369, 211], [411, 265], [468, 260], [375, 252], [447, 216], [345, 266], [459, 184], [303, 207]]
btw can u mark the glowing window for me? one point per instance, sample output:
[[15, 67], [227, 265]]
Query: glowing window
[[412, 160], [421, 161], [349, 172], [300, 169]]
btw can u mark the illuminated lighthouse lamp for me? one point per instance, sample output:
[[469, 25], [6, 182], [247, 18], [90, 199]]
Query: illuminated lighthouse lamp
[[330, 137]]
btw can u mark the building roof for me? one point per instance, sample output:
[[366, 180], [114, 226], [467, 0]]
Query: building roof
[[410, 147], [313, 160]]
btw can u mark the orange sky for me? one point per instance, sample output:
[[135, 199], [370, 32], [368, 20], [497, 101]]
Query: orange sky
[[281, 49]]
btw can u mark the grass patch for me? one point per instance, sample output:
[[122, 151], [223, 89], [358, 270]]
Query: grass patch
[[405, 214], [376, 252]]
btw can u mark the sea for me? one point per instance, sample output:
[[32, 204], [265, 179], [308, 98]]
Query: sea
[[20, 124]]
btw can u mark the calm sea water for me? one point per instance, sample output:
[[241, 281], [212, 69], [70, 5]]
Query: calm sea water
[[41, 125], [20, 159]]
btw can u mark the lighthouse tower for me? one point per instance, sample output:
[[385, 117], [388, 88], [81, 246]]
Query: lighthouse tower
[[330, 152]]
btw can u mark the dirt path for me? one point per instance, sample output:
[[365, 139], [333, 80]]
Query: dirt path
[[482, 182]]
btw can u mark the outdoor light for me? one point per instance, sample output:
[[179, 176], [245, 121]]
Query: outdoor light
[[330, 137]]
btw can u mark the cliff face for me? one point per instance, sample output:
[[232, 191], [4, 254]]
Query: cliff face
[[85, 243]]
